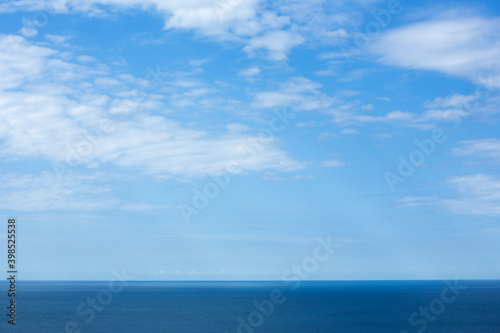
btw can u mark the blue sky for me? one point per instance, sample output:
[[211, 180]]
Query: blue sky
[[218, 139]]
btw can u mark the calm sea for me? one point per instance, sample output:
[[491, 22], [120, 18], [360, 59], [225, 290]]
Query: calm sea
[[247, 307]]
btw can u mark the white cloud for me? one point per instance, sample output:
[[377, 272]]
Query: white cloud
[[237, 128], [277, 43], [297, 93], [477, 194], [159, 146], [354, 75], [450, 109], [301, 177], [106, 81], [146, 39], [452, 101], [56, 114], [443, 115], [58, 39], [332, 164], [347, 115], [20, 61], [417, 201], [474, 194], [28, 192], [332, 55], [275, 27], [324, 22], [251, 71], [234, 20], [301, 94], [484, 148], [452, 43], [391, 116], [85, 58]]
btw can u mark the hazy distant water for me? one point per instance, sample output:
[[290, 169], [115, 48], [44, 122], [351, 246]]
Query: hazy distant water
[[317, 307]]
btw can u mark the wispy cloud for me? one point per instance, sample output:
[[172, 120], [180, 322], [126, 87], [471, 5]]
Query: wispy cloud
[[449, 109], [251, 71], [332, 164], [451, 101], [453, 43], [277, 43], [484, 148], [146, 39], [274, 29], [30, 192], [58, 39], [55, 117], [474, 194], [298, 93]]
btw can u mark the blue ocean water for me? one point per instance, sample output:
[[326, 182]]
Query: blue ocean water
[[247, 307]]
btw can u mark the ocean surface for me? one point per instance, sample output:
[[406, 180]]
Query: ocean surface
[[247, 307]]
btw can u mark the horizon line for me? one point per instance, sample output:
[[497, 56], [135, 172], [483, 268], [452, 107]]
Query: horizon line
[[280, 281]]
